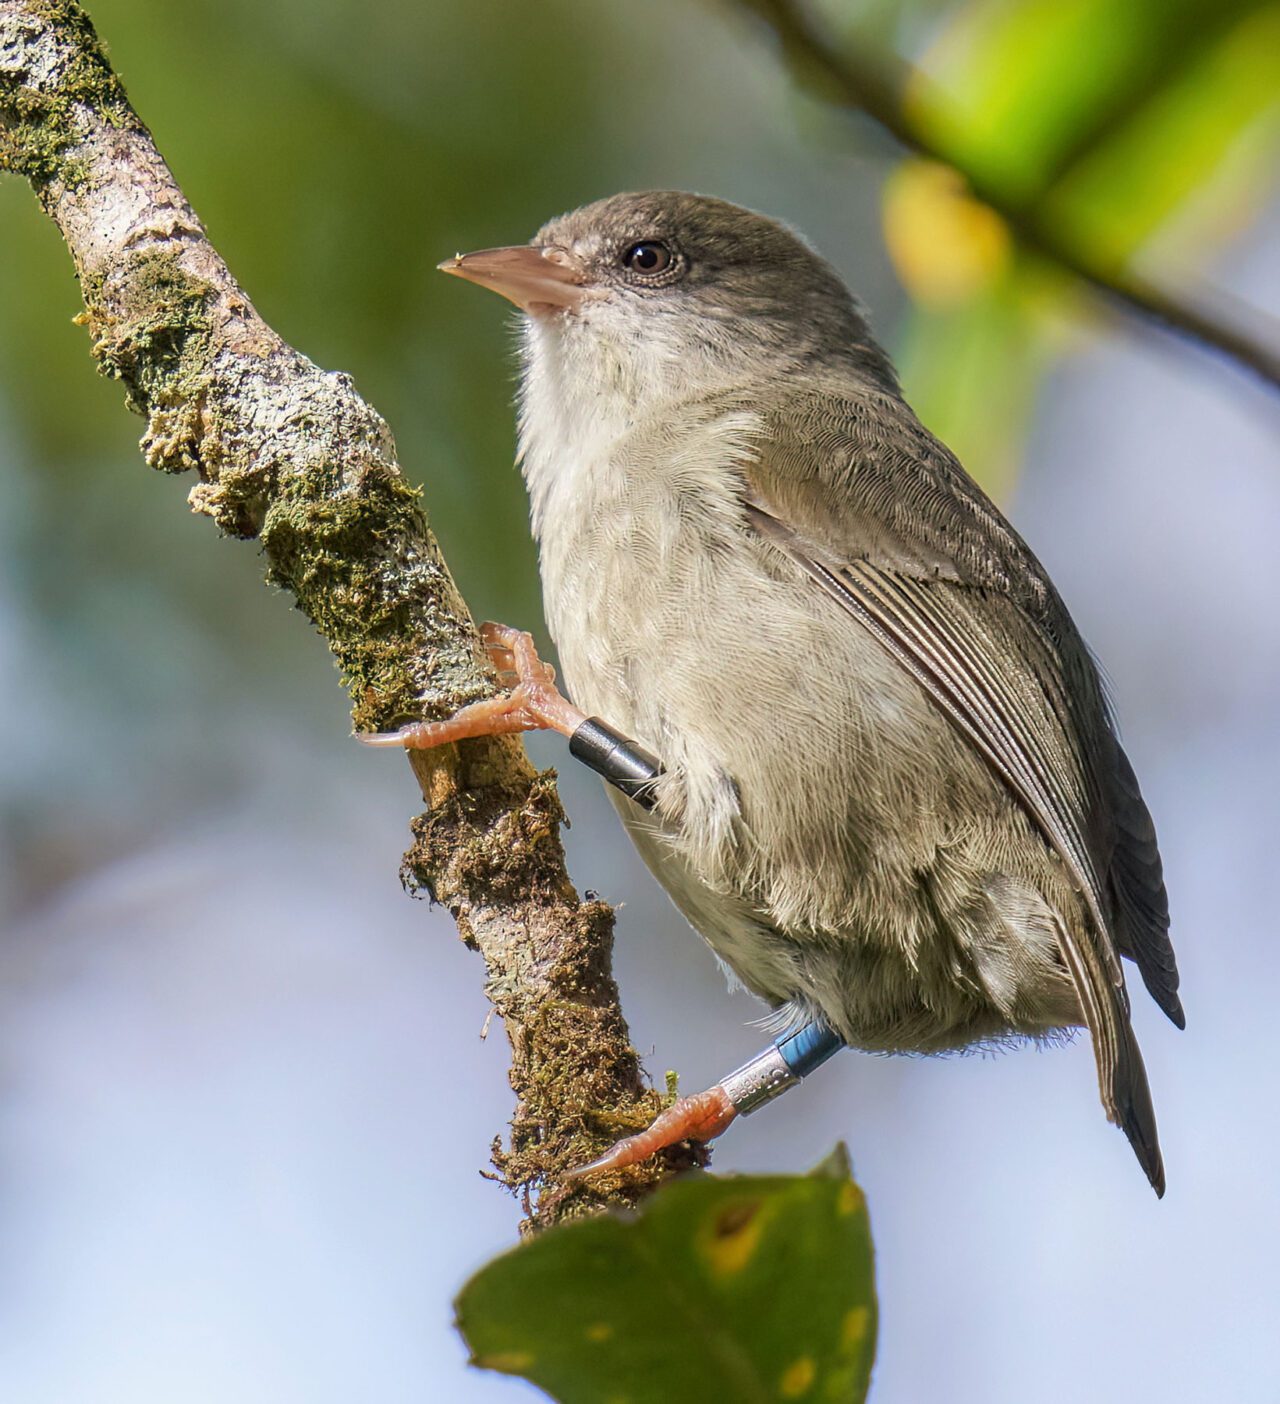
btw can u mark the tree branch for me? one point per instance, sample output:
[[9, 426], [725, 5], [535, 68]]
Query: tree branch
[[878, 88], [291, 455]]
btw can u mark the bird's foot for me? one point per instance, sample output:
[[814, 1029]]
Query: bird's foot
[[699, 1118], [533, 703], [702, 1118]]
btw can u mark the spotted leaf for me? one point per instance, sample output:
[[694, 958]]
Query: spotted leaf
[[756, 1289]]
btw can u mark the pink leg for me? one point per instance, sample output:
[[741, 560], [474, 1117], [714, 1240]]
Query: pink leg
[[699, 1118], [533, 704]]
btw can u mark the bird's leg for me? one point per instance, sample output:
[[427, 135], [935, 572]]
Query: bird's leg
[[533, 703], [705, 1116], [700, 1118]]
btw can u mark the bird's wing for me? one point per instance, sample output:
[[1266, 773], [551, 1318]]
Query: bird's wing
[[894, 530]]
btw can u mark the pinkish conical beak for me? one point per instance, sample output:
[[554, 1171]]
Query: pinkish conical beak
[[537, 278]]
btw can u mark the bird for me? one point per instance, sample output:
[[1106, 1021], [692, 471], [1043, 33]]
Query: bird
[[848, 721]]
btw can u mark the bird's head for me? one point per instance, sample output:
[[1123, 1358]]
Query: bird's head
[[663, 295]]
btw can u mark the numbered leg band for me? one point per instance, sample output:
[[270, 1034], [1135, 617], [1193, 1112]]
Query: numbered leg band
[[780, 1066]]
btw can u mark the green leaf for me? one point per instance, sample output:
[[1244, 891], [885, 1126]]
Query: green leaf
[[1149, 168], [750, 1288], [1034, 85]]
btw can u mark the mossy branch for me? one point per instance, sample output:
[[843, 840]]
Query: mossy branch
[[291, 455]]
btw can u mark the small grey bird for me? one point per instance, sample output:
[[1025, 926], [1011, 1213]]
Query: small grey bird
[[889, 792]]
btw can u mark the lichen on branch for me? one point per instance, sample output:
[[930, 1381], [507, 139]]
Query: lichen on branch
[[40, 114]]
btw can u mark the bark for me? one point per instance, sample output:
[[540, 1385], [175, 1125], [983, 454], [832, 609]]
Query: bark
[[289, 454]]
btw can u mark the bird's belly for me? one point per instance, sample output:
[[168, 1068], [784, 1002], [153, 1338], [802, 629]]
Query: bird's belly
[[895, 974]]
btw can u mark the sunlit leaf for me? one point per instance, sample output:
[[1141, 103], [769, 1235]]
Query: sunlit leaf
[[1028, 86], [945, 245], [1112, 125]]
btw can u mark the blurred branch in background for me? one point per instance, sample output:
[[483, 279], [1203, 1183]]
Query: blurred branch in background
[[1079, 127], [290, 455]]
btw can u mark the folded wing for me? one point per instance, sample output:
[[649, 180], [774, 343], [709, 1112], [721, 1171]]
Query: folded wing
[[915, 554]]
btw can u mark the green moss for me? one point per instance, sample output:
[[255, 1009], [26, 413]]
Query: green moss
[[512, 851], [569, 1083], [349, 546], [349, 539], [159, 347], [160, 350], [350, 543], [43, 128], [577, 1077], [351, 555]]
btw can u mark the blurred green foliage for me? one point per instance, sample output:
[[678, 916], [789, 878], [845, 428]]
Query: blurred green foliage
[[1143, 130], [336, 153], [752, 1289]]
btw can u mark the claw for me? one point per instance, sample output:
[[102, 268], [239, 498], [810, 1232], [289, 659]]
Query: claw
[[699, 1118], [382, 738], [532, 704]]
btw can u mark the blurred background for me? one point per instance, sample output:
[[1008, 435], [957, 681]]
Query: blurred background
[[244, 1098]]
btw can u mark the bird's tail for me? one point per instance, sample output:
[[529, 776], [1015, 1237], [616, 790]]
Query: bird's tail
[[1131, 1107]]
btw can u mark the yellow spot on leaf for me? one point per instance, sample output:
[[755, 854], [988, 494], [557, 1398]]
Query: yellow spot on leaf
[[599, 1331], [854, 1327], [798, 1378], [510, 1362], [946, 246], [850, 1200], [731, 1238]]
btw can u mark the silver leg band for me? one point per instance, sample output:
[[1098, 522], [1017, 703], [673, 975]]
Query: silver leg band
[[759, 1081]]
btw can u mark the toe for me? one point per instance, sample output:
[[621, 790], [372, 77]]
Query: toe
[[700, 1118]]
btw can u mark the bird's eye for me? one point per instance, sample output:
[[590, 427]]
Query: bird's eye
[[648, 256]]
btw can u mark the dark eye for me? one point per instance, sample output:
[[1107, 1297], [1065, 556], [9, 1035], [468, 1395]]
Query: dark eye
[[648, 256]]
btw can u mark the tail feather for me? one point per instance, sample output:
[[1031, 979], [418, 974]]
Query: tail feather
[[1122, 1077], [1141, 905], [1131, 1107]]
